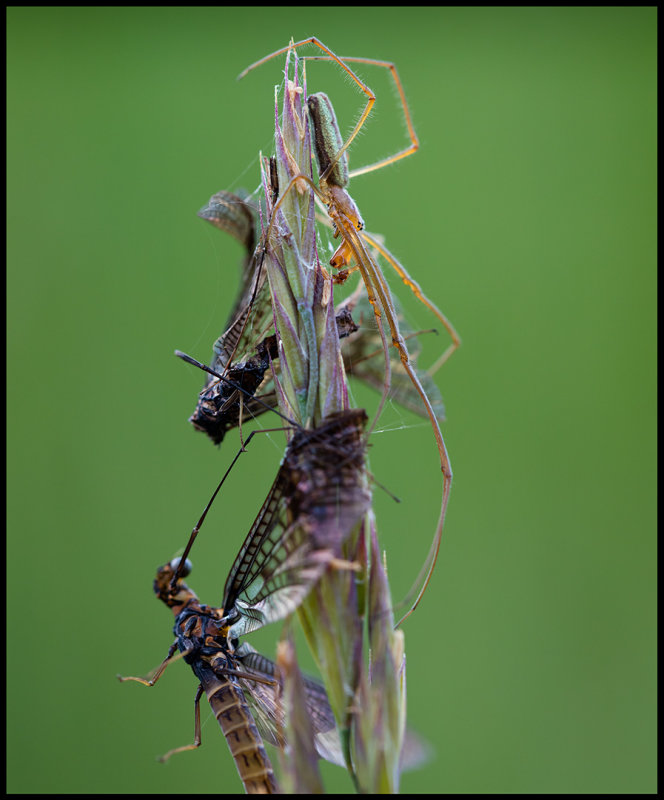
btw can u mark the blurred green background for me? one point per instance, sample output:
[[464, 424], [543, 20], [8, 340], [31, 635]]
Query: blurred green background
[[528, 215]]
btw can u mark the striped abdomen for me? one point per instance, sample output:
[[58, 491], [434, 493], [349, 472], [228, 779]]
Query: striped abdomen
[[232, 712]]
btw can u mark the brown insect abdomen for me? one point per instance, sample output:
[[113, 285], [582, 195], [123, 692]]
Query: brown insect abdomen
[[231, 710]]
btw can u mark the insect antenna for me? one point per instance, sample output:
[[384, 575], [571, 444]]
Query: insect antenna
[[382, 486], [192, 538], [234, 385]]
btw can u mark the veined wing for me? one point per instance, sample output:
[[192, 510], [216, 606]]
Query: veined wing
[[364, 359], [265, 703], [250, 319], [236, 216], [317, 498]]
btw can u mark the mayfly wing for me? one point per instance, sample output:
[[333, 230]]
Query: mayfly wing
[[317, 498], [265, 702], [363, 359], [250, 318], [235, 215]]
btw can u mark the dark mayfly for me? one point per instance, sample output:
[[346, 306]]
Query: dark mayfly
[[238, 367], [223, 403], [232, 387], [317, 498]]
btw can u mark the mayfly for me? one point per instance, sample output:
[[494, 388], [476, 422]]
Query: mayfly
[[317, 498], [353, 254], [222, 403], [238, 387], [244, 352], [230, 379], [241, 685]]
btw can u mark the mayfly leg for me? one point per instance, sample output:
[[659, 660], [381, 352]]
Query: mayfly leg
[[197, 730], [153, 677]]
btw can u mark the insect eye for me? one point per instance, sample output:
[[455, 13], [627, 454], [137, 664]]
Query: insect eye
[[186, 569]]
